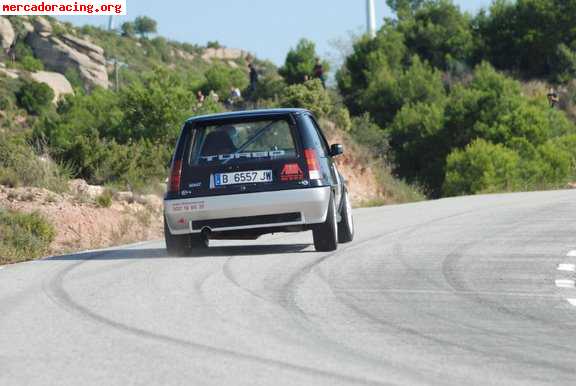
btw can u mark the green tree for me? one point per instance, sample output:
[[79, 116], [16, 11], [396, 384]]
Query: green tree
[[145, 25], [386, 52], [404, 8], [525, 36], [388, 91], [300, 62], [439, 33], [35, 97], [128, 29]]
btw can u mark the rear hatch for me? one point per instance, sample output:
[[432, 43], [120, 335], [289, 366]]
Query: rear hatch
[[232, 157]]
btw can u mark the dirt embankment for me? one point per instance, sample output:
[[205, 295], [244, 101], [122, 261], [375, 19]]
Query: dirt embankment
[[82, 224]]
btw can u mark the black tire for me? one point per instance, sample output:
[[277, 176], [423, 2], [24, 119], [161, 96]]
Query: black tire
[[183, 245], [346, 224], [326, 234]]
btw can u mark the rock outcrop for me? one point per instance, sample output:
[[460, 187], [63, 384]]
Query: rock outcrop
[[7, 34], [67, 52], [42, 27], [57, 82], [224, 54]]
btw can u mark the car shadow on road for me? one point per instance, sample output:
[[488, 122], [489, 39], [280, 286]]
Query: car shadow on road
[[159, 253]]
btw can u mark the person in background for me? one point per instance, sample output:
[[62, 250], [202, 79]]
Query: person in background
[[213, 96], [253, 77], [200, 98], [553, 97], [235, 96], [319, 71]]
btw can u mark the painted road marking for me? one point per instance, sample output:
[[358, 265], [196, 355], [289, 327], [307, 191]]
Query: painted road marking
[[572, 301], [565, 283], [567, 267], [571, 254]]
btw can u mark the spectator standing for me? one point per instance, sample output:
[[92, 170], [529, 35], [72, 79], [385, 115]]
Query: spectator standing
[[253, 77], [319, 72]]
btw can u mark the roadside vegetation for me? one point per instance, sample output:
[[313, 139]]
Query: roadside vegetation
[[23, 236], [449, 91]]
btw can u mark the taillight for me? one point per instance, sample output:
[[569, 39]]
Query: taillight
[[291, 172], [175, 176], [312, 162]]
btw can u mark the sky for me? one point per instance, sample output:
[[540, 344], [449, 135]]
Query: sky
[[267, 28]]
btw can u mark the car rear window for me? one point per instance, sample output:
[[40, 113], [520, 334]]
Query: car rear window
[[233, 143]]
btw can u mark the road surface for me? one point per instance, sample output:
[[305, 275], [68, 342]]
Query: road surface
[[473, 290]]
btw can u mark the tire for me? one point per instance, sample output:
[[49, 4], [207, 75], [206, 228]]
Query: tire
[[183, 245], [326, 234], [346, 224]]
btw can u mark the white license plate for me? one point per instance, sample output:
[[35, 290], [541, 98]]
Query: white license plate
[[249, 177]]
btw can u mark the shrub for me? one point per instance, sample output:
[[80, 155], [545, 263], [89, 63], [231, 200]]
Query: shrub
[[20, 166], [221, 78], [35, 97], [482, 167], [105, 199], [310, 95], [367, 133], [30, 63], [24, 236]]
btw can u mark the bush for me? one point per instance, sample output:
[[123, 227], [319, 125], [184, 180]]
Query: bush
[[32, 64], [24, 236], [20, 166], [482, 167], [221, 78], [35, 97], [310, 95], [365, 132], [105, 199]]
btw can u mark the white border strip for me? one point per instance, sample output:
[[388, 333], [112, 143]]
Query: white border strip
[[571, 254], [565, 283], [572, 301], [567, 267]]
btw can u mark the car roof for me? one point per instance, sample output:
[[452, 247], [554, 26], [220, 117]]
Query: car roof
[[263, 113]]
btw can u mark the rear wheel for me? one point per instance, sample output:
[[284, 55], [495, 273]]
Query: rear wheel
[[183, 245], [326, 234], [346, 224]]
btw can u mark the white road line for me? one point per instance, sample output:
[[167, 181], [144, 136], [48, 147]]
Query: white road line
[[571, 254], [567, 267], [572, 301], [565, 283]]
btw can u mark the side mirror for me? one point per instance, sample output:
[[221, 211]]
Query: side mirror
[[336, 149]]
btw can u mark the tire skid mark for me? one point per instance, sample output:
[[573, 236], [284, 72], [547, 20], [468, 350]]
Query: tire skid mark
[[414, 332], [54, 288]]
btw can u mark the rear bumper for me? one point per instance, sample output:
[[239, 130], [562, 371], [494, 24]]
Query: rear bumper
[[185, 216]]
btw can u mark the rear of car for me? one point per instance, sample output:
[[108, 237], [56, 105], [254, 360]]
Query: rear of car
[[241, 175]]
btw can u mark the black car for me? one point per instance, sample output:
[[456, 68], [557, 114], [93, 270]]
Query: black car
[[244, 174]]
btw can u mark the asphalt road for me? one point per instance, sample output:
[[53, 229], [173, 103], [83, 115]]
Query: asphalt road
[[472, 290]]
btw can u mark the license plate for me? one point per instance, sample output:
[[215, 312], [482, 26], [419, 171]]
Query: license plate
[[249, 177]]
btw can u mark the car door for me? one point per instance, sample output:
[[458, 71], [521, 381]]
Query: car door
[[324, 152]]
